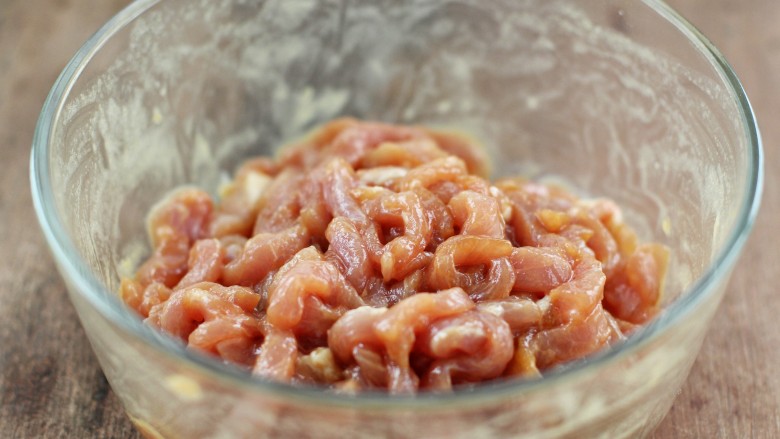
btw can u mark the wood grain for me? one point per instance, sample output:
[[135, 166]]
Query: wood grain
[[51, 385]]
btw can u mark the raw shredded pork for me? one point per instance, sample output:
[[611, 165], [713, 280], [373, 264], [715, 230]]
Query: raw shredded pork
[[379, 257]]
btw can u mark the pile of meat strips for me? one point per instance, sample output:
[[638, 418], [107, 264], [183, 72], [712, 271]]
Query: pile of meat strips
[[379, 257]]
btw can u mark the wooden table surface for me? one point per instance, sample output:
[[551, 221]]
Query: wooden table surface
[[51, 385]]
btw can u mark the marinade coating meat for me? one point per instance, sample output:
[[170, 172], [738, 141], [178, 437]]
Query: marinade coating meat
[[212, 318], [370, 256]]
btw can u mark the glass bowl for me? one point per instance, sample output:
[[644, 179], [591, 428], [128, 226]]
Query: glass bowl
[[622, 99]]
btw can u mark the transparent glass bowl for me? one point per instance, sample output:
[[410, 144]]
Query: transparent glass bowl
[[622, 99]]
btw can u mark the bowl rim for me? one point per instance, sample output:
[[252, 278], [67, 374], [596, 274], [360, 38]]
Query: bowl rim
[[114, 311]]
